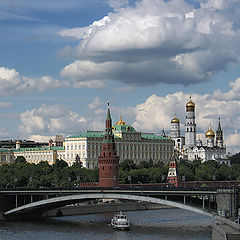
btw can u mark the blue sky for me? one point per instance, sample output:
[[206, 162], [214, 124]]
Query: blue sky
[[61, 61]]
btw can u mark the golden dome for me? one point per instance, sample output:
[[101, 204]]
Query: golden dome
[[190, 103], [175, 120], [120, 122], [210, 133]]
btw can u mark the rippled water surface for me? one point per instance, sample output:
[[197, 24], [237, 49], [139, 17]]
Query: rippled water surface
[[170, 224]]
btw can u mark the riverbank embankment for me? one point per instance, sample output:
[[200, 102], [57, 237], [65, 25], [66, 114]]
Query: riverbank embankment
[[82, 209]]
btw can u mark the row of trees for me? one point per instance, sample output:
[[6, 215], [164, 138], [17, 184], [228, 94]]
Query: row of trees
[[147, 172], [60, 175]]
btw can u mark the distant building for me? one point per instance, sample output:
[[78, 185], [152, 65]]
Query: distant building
[[11, 144], [6, 156], [57, 142], [35, 152], [36, 155]]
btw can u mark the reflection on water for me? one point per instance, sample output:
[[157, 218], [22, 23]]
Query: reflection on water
[[171, 224]]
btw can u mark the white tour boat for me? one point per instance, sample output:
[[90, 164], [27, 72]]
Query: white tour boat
[[119, 221]]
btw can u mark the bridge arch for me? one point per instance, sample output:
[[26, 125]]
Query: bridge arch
[[51, 203]]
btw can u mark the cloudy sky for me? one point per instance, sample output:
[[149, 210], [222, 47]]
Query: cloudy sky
[[62, 61]]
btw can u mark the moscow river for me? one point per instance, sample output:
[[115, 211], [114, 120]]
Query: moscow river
[[163, 224]]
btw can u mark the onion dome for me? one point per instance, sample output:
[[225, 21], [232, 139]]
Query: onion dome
[[190, 103], [210, 133], [199, 143], [175, 120], [120, 122]]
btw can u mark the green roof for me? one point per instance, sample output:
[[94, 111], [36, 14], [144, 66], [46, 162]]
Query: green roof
[[38, 149], [88, 134], [123, 128], [4, 150], [119, 128], [153, 136]]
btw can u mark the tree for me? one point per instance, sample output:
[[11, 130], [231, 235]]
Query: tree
[[143, 164], [224, 172], [20, 159], [127, 165], [77, 161], [235, 159]]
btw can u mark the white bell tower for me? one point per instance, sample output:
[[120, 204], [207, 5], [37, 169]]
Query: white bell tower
[[190, 126]]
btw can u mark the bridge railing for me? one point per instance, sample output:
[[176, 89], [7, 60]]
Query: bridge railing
[[123, 188]]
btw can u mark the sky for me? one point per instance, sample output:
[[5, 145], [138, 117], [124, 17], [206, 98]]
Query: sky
[[62, 61]]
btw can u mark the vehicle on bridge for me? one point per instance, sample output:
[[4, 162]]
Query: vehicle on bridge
[[120, 222]]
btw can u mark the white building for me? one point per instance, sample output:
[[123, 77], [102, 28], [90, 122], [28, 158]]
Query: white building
[[6, 156], [130, 144], [188, 148], [36, 155]]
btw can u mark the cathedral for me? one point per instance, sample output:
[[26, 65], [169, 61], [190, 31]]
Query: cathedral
[[189, 148]]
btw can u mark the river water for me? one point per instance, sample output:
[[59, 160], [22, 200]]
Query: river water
[[170, 224]]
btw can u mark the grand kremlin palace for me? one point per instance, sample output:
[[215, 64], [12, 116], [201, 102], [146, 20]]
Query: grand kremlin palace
[[130, 144]]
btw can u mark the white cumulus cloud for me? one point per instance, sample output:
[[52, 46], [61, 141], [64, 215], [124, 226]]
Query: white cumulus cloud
[[11, 82], [157, 111], [157, 41], [56, 119]]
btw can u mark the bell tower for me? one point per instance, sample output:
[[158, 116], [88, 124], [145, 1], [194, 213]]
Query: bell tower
[[190, 126], [108, 161]]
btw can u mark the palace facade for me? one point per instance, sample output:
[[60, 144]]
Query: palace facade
[[130, 144]]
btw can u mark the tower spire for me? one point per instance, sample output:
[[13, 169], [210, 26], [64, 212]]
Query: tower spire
[[108, 136], [219, 135]]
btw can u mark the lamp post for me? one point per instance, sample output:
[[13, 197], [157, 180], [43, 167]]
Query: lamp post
[[14, 182], [130, 179], [30, 180], [184, 179], [141, 185], [69, 180]]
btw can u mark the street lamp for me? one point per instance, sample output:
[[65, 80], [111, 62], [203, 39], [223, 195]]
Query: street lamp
[[30, 180], [163, 178], [141, 185], [14, 182], [130, 179], [69, 180]]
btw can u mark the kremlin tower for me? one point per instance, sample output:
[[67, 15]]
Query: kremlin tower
[[173, 173], [190, 126], [108, 160]]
